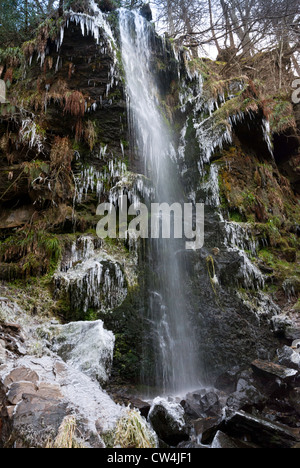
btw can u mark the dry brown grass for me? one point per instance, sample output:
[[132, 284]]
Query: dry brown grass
[[61, 153], [75, 103]]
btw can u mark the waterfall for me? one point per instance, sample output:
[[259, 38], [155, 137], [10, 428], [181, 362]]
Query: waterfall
[[169, 341]]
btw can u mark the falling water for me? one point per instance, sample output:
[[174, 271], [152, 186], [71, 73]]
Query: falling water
[[170, 340]]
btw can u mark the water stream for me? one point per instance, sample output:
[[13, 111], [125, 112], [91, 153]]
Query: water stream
[[170, 340]]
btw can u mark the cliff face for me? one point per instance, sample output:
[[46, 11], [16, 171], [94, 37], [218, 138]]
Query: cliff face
[[65, 146]]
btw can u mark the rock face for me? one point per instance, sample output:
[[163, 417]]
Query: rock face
[[68, 151], [37, 394], [91, 280]]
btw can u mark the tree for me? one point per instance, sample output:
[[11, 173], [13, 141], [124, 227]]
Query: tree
[[239, 27], [20, 17]]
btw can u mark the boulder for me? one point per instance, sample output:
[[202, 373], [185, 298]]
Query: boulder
[[273, 373], [289, 357], [247, 394], [141, 405], [228, 380], [167, 419], [201, 404], [222, 440], [261, 431], [206, 428], [38, 394]]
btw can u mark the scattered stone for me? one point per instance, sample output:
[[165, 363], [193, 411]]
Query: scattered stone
[[247, 394], [272, 371], [206, 428], [142, 406], [192, 408], [228, 380], [289, 357], [201, 404], [265, 433], [222, 440]]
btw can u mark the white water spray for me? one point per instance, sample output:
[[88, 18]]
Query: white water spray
[[170, 334]]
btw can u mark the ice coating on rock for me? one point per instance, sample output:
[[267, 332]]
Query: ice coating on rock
[[173, 409], [86, 346], [84, 396]]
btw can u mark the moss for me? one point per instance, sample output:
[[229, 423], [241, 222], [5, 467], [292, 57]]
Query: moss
[[35, 253], [12, 56], [236, 216], [282, 269], [296, 307]]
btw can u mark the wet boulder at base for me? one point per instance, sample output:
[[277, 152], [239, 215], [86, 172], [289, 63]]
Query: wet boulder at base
[[167, 419], [264, 432]]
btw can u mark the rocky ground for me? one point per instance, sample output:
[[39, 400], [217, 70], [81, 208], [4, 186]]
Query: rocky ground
[[256, 408], [44, 386]]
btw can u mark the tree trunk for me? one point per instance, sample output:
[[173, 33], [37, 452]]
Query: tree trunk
[[61, 7], [213, 32]]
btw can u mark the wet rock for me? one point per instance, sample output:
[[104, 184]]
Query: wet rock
[[289, 357], [206, 428], [228, 380], [265, 433], [222, 440], [192, 408], [201, 404], [247, 394], [142, 406], [146, 12], [167, 419], [273, 373]]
